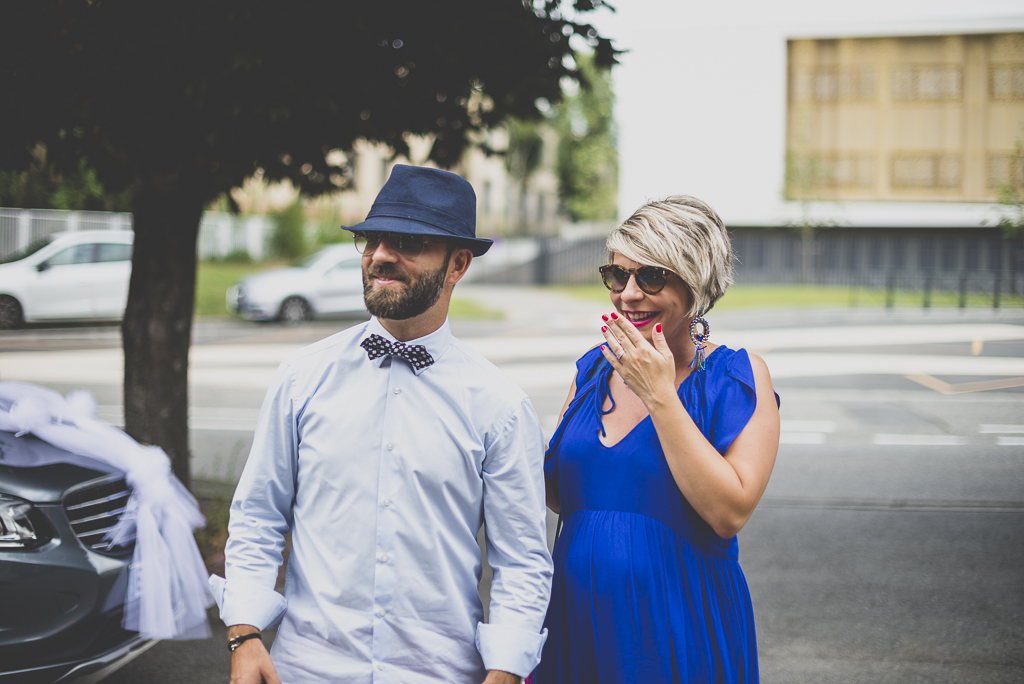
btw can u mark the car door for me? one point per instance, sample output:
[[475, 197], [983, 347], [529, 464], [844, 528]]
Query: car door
[[340, 288], [60, 285], [109, 279]]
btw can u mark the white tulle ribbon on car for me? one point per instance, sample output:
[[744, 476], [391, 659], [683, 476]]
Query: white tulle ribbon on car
[[168, 592]]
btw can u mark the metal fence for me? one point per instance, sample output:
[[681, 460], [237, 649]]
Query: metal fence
[[929, 267], [223, 234], [833, 256], [937, 288], [220, 233], [549, 260], [21, 227], [878, 266]]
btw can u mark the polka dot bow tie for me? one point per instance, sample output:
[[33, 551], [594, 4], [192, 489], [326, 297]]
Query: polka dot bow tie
[[416, 354]]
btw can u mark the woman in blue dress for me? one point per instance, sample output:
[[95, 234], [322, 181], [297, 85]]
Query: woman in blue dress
[[663, 450]]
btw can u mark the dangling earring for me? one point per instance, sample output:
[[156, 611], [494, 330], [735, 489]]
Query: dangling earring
[[700, 341]]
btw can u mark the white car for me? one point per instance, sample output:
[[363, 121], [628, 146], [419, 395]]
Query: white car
[[328, 283], [67, 276]]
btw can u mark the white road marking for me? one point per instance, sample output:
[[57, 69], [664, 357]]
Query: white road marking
[[808, 425], [801, 438], [867, 335], [918, 440], [816, 364], [988, 429], [1009, 441], [539, 358]]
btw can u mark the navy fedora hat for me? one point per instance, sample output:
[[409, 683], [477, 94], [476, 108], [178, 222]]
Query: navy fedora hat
[[424, 201]]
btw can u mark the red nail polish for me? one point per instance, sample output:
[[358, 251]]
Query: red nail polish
[[603, 317], [614, 316], [657, 328], [604, 328]]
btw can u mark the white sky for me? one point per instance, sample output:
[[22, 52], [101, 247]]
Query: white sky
[[701, 96]]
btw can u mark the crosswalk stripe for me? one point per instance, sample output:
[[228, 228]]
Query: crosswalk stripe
[[917, 440], [996, 429]]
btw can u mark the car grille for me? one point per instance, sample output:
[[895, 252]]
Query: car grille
[[94, 511]]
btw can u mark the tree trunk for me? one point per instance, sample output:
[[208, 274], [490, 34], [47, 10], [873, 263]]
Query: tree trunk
[[157, 327]]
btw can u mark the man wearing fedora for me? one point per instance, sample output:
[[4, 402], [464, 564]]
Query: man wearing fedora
[[382, 449]]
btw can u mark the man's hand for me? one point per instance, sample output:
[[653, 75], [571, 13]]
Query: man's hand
[[250, 662], [499, 677]]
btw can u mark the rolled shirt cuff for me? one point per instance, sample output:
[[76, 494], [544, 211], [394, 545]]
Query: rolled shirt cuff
[[247, 603], [509, 649]]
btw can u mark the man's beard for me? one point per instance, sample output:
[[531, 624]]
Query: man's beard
[[418, 295]]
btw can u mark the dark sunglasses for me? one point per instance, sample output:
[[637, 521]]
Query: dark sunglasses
[[650, 279], [409, 246]]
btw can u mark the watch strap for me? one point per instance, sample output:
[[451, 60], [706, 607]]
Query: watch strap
[[235, 642]]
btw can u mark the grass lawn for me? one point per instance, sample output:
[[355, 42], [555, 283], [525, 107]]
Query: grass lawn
[[795, 296], [214, 278], [468, 309], [746, 296]]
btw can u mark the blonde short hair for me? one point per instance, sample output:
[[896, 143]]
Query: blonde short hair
[[684, 235]]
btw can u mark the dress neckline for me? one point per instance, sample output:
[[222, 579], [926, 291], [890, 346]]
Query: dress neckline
[[647, 418]]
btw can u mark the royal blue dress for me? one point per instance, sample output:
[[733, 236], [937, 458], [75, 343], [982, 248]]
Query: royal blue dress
[[644, 590]]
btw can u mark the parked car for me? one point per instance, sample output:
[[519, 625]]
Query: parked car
[[62, 587], [327, 283], [67, 276]]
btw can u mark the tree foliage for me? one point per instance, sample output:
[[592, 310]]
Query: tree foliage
[[289, 237], [588, 158], [1011, 194], [41, 186], [157, 93], [177, 103]]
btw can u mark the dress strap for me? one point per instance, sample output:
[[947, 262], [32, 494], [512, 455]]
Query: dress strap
[[603, 390], [591, 377]]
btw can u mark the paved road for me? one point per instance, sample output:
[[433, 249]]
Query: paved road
[[888, 544]]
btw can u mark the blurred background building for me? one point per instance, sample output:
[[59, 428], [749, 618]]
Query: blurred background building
[[839, 141], [875, 144]]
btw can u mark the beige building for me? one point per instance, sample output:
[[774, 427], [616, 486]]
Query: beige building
[[874, 114], [904, 118], [505, 206]]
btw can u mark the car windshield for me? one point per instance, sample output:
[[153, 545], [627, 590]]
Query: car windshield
[[32, 248]]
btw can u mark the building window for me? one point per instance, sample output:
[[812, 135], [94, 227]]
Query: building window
[[832, 84], [904, 118], [927, 83], [1006, 82], [911, 170], [1005, 168]]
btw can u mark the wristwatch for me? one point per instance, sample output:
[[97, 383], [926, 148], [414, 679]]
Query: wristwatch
[[235, 642]]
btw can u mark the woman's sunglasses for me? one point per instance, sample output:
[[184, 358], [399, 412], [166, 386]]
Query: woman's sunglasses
[[409, 246], [650, 279]]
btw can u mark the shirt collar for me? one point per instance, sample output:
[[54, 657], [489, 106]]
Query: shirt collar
[[436, 342]]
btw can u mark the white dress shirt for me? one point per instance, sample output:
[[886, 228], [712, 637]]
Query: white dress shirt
[[384, 476]]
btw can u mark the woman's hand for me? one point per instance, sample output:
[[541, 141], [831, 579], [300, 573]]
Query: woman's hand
[[648, 370]]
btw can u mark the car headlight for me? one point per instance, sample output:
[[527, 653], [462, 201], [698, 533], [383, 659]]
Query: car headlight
[[21, 525]]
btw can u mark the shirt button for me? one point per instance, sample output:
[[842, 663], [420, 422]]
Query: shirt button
[[380, 666], [387, 502], [391, 447], [382, 612], [383, 559], [397, 390]]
